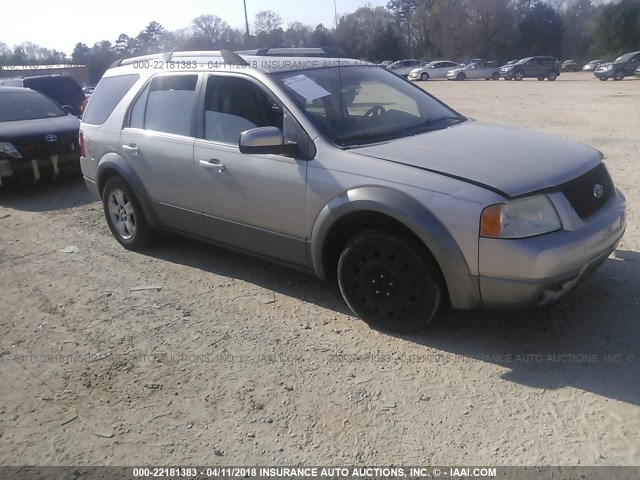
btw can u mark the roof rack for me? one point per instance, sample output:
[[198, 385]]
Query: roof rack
[[228, 57], [325, 52]]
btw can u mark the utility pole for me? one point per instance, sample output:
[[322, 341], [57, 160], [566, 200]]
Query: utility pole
[[246, 21]]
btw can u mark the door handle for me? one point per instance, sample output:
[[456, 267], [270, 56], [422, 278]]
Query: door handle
[[213, 163], [131, 148]]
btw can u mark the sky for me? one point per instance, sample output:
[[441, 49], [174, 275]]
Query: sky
[[60, 25]]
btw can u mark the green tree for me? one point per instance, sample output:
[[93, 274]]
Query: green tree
[[541, 31], [618, 28]]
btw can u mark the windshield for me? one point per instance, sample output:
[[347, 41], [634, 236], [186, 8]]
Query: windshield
[[626, 57], [27, 105], [359, 105]]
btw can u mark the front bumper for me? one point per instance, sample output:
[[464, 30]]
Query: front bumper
[[32, 171], [540, 270], [603, 74]]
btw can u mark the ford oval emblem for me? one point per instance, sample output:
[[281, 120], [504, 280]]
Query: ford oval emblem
[[51, 138], [598, 190]]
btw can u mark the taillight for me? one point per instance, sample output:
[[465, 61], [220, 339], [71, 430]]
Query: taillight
[[83, 153]]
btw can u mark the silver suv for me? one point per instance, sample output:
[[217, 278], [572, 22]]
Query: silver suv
[[349, 172]]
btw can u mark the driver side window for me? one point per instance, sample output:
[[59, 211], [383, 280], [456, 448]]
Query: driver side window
[[233, 105]]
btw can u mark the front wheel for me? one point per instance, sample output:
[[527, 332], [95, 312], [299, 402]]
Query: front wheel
[[124, 215], [518, 76], [424, 77], [461, 76], [495, 76], [619, 75], [389, 281], [552, 76]]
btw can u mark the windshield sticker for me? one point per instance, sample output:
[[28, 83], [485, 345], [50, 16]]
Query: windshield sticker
[[307, 88]]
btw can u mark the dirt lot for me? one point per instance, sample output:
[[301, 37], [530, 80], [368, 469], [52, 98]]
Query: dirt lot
[[235, 361]]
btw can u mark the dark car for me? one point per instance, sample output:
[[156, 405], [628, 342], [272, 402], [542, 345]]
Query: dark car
[[623, 66], [38, 139], [61, 88], [637, 72], [571, 66], [532, 67]]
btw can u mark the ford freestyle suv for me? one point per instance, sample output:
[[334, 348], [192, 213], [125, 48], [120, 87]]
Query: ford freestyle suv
[[532, 67], [408, 204]]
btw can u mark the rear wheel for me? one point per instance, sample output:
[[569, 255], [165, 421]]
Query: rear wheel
[[124, 215], [389, 281], [461, 76], [424, 77]]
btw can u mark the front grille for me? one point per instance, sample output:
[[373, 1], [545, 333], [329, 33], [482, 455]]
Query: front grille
[[581, 191], [38, 147]]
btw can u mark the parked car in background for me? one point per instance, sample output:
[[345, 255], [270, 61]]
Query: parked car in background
[[475, 71], [592, 65], [532, 67], [37, 137], [469, 61], [404, 67], [623, 66], [61, 88], [436, 69], [406, 204], [506, 66], [571, 66]]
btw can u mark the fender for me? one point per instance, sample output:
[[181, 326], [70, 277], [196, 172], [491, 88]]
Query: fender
[[112, 162], [463, 287]]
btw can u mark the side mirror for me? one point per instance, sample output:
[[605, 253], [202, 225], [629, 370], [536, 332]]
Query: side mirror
[[265, 140], [68, 109]]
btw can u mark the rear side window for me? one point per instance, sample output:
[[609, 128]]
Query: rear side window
[[106, 96], [166, 105]]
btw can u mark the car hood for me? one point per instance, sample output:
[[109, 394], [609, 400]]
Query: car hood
[[41, 126], [511, 161]]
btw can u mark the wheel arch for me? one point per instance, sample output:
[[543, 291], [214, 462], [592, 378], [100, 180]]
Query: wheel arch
[[113, 165], [363, 208]]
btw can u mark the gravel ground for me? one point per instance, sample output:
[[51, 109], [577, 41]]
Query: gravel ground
[[224, 359]]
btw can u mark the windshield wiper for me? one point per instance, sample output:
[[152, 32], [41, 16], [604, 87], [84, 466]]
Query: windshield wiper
[[436, 124]]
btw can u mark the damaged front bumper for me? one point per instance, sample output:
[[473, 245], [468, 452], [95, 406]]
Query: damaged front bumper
[[31, 171]]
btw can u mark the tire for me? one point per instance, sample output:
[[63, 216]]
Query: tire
[[495, 76], [518, 76], [461, 76], [390, 282], [124, 215], [603, 79], [552, 76], [424, 77], [619, 75], [541, 78]]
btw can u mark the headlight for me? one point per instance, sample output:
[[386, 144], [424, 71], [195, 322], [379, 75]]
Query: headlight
[[521, 218], [7, 149], [610, 67]]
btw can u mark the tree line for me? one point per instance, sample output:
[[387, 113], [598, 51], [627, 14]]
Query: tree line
[[426, 29]]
